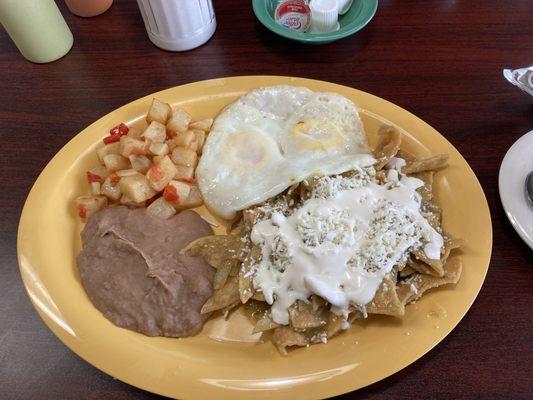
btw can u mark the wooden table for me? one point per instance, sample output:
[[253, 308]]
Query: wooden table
[[440, 59]]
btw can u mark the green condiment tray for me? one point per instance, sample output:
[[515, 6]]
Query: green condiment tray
[[360, 14]]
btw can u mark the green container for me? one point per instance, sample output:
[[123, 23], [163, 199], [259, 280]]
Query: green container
[[360, 14]]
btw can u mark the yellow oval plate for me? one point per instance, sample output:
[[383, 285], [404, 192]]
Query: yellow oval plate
[[199, 367]]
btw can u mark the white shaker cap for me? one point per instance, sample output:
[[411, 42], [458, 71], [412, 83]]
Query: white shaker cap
[[178, 25], [324, 14]]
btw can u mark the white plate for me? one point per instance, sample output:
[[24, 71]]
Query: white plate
[[516, 164]]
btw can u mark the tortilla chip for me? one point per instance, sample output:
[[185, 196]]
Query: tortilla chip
[[217, 250], [393, 274], [419, 261], [249, 217], [246, 287], [354, 316], [235, 268], [236, 226], [317, 302], [221, 275], [336, 323], [406, 271], [386, 300], [426, 191], [421, 267], [228, 309], [284, 337], [279, 203], [223, 297], [265, 323], [400, 266], [302, 316], [415, 285], [307, 186], [404, 154], [258, 296], [305, 190], [426, 164], [432, 213], [388, 145], [293, 194]]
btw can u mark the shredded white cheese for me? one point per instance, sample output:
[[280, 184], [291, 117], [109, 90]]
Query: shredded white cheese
[[340, 243]]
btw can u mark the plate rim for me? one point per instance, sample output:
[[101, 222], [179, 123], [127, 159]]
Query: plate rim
[[503, 197], [344, 388]]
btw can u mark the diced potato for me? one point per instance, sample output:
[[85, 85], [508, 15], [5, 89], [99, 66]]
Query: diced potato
[[176, 192], [125, 200], [97, 174], [95, 188], [137, 188], [157, 158], [115, 162], [184, 156], [194, 199], [140, 163], [155, 132], [161, 173], [200, 140], [126, 172], [159, 112], [161, 208], [185, 139], [203, 124], [88, 205], [111, 148], [111, 189], [135, 132], [184, 173], [171, 144], [129, 146], [179, 121], [158, 149]]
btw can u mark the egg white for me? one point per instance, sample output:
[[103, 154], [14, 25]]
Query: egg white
[[274, 137]]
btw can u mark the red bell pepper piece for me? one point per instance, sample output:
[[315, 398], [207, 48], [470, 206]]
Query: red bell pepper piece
[[111, 139], [170, 194], [121, 130], [93, 177], [82, 211]]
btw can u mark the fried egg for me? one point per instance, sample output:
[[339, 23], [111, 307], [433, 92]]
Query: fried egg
[[274, 137]]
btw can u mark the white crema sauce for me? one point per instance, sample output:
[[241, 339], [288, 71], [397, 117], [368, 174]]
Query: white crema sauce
[[340, 247]]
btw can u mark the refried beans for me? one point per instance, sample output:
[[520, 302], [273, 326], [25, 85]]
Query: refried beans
[[132, 271]]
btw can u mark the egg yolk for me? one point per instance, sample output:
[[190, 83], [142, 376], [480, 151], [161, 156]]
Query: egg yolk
[[246, 151], [315, 134]]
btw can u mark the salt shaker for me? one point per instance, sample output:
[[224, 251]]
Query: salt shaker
[[178, 25]]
